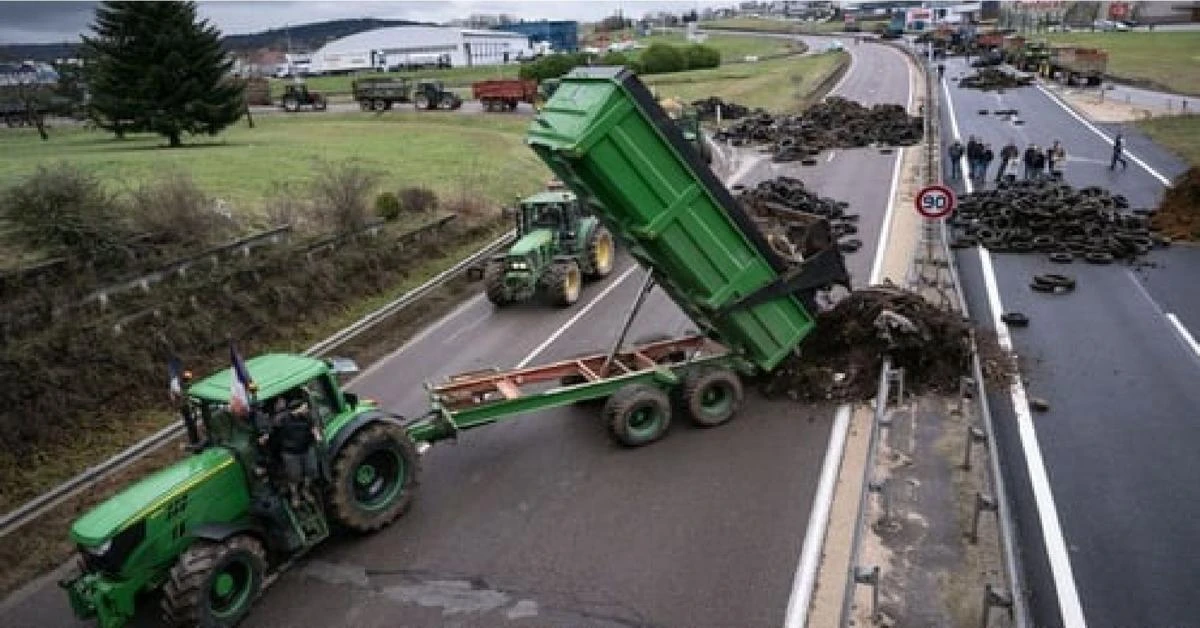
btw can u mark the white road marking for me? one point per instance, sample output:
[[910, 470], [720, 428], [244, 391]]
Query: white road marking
[[578, 315], [805, 580], [1184, 333], [1091, 127], [1052, 535], [831, 155], [885, 231]]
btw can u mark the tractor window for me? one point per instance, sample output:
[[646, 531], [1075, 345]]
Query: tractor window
[[547, 216]]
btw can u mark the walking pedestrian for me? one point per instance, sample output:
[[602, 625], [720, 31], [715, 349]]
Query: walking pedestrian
[[1009, 153], [956, 155], [1030, 151], [1118, 153], [985, 161], [941, 70]]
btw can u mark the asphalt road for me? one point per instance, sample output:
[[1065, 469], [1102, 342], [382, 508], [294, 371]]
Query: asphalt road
[[543, 521], [1119, 439]]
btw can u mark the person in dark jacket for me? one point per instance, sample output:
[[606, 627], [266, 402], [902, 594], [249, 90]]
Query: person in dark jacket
[[985, 161], [974, 152], [1118, 153], [293, 437], [955, 154], [1039, 164], [1008, 153], [1030, 152]]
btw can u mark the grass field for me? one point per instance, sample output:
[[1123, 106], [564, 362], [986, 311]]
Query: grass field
[[1166, 59], [1180, 134], [449, 152], [772, 26], [776, 85]]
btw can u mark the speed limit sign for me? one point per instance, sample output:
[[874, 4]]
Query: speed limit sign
[[935, 201]]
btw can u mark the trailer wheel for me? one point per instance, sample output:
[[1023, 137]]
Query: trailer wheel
[[374, 478], [711, 396], [638, 415], [378, 104], [319, 104], [213, 584], [563, 282], [365, 105], [600, 253]]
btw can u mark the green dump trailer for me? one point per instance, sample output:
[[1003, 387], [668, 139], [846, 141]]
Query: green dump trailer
[[208, 532]]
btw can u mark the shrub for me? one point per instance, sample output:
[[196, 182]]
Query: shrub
[[699, 56], [614, 58], [65, 210], [659, 58], [339, 194], [173, 214], [552, 66], [387, 206], [418, 199]]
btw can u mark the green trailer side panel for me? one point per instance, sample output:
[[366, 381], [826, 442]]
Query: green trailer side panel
[[603, 135]]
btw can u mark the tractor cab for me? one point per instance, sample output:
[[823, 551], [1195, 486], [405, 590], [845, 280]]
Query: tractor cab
[[557, 211]]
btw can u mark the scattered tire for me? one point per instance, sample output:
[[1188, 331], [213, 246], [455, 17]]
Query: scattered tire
[[1037, 286], [850, 246], [1038, 404], [637, 415], [1060, 281], [214, 583], [1015, 319], [374, 478], [1098, 257], [808, 161], [1061, 257], [711, 396]]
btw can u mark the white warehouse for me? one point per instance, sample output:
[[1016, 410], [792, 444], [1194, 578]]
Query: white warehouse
[[415, 46]]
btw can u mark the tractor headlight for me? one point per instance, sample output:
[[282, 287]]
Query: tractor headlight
[[99, 550], [518, 266]]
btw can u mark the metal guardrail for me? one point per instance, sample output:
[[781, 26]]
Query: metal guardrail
[[43, 503]]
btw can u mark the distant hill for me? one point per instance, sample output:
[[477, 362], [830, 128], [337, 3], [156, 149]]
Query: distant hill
[[304, 37]]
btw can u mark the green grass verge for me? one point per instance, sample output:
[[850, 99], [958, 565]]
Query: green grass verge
[[733, 48], [451, 153], [773, 26], [1180, 134], [780, 85], [1165, 59]]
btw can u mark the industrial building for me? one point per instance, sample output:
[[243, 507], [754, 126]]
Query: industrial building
[[562, 35], [419, 46]]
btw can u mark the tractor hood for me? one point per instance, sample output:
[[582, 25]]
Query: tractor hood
[[531, 242], [139, 500]]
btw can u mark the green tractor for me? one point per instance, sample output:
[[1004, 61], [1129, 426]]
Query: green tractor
[[205, 533], [434, 95], [559, 244]]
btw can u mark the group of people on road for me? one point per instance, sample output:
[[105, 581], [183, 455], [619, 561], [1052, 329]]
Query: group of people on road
[[1038, 163]]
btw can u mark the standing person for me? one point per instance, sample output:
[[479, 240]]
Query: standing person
[[941, 70], [1039, 164], [1118, 153], [1030, 151], [1008, 153], [974, 150], [1055, 157], [956, 153], [985, 161], [1012, 170]]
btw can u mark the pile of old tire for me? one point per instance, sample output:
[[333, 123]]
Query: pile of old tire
[[706, 109], [833, 123], [1053, 219], [783, 206], [994, 78]]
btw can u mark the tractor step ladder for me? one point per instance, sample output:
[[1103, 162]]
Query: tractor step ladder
[[308, 522]]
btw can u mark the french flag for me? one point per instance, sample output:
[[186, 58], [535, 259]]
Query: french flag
[[239, 384]]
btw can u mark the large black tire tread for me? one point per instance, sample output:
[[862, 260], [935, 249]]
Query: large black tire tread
[[343, 508], [421, 101], [493, 282], [183, 599], [623, 403], [698, 383], [595, 268], [556, 283]]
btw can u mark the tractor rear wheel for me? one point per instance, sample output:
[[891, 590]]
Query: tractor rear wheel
[[421, 101], [319, 104], [600, 253], [213, 584], [563, 282], [637, 415], [711, 396], [493, 282], [374, 478]]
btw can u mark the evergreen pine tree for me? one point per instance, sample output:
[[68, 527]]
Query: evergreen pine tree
[[152, 66]]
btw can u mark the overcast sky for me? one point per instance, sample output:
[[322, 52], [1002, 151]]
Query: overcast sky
[[53, 22]]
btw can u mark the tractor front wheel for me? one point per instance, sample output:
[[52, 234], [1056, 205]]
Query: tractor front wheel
[[638, 415], [291, 104], [563, 282], [213, 584], [374, 478], [600, 253], [421, 101], [493, 281]]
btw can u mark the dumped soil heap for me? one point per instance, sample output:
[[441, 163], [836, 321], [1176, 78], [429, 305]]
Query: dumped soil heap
[[994, 78], [1178, 215], [841, 360], [833, 123], [783, 209], [706, 109], [1089, 224]]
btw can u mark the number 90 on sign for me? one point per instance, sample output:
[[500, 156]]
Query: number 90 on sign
[[935, 201]]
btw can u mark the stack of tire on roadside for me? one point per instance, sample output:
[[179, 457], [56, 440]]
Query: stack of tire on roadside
[[995, 78], [834, 123], [1056, 220]]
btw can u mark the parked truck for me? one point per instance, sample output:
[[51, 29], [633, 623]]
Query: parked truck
[[208, 531], [505, 94], [1079, 64]]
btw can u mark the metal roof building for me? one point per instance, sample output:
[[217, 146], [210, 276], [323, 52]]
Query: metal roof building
[[401, 46]]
